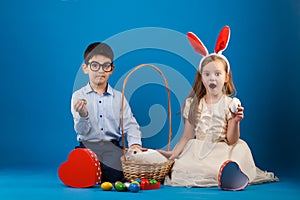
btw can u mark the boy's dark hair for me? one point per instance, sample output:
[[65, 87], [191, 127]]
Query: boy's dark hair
[[98, 48]]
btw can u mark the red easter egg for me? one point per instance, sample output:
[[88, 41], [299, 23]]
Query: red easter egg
[[145, 181]]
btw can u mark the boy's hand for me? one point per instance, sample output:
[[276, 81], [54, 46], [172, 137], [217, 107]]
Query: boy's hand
[[138, 146], [80, 107]]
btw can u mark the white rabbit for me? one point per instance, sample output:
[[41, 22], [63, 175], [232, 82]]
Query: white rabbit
[[149, 156]]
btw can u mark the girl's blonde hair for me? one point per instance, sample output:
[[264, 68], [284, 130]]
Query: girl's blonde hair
[[198, 91]]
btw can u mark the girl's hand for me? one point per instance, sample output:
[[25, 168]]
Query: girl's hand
[[239, 115], [168, 154], [80, 107]]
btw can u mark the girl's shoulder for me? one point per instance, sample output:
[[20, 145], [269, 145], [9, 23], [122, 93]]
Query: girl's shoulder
[[229, 99], [189, 100]]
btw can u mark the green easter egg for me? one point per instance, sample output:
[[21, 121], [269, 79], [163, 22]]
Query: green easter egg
[[153, 181], [120, 187]]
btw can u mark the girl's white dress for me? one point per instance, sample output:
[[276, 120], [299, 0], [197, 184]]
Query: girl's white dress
[[199, 163]]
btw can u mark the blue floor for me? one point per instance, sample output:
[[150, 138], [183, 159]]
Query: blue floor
[[43, 185]]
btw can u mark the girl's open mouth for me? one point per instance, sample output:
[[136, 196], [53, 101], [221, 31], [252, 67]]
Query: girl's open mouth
[[212, 86]]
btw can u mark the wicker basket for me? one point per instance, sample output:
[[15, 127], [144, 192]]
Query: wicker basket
[[133, 170]]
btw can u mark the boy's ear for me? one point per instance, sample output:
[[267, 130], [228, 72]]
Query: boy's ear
[[113, 68], [84, 68]]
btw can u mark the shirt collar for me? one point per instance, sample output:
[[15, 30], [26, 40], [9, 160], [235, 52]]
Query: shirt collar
[[109, 90], [89, 89]]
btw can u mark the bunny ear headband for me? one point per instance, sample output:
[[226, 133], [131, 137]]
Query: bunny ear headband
[[221, 45]]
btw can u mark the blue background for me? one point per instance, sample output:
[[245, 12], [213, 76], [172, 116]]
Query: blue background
[[42, 43]]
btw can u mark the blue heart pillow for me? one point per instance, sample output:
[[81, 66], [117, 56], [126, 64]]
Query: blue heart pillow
[[231, 177]]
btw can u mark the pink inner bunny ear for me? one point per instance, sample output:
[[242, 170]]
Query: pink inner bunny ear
[[223, 40], [197, 44]]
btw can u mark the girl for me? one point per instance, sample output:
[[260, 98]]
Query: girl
[[206, 113]]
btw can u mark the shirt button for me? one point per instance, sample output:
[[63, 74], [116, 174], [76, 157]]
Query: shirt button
[[100, 115], [100, 101], [101, 129]]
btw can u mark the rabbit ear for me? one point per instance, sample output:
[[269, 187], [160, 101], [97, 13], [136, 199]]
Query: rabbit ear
[[223, 40], [197, 44]]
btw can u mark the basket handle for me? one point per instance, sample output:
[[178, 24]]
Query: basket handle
[[169, 104]]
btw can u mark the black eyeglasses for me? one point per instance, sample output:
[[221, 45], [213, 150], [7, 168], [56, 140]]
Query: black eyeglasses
[[95, 66]]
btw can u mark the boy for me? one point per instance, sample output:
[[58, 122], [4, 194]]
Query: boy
[[96, 109]]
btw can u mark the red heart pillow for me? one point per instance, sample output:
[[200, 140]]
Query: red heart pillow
[[231, 177], [82, 169]]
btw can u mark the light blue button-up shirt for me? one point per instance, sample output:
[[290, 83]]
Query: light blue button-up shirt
[[103, 121]]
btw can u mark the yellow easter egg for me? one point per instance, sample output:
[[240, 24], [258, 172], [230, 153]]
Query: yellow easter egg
[[135, 182], [106, 186]]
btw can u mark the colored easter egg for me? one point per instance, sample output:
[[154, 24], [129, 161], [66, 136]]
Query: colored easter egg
[[138, 180], [144, 181], [84, 101], [117, 182], [120, 187], [106, 186], [153, 181], [135, 182], [133, 187], [127, 185]]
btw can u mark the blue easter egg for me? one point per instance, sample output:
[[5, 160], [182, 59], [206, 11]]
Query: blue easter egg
[[133, 187]]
